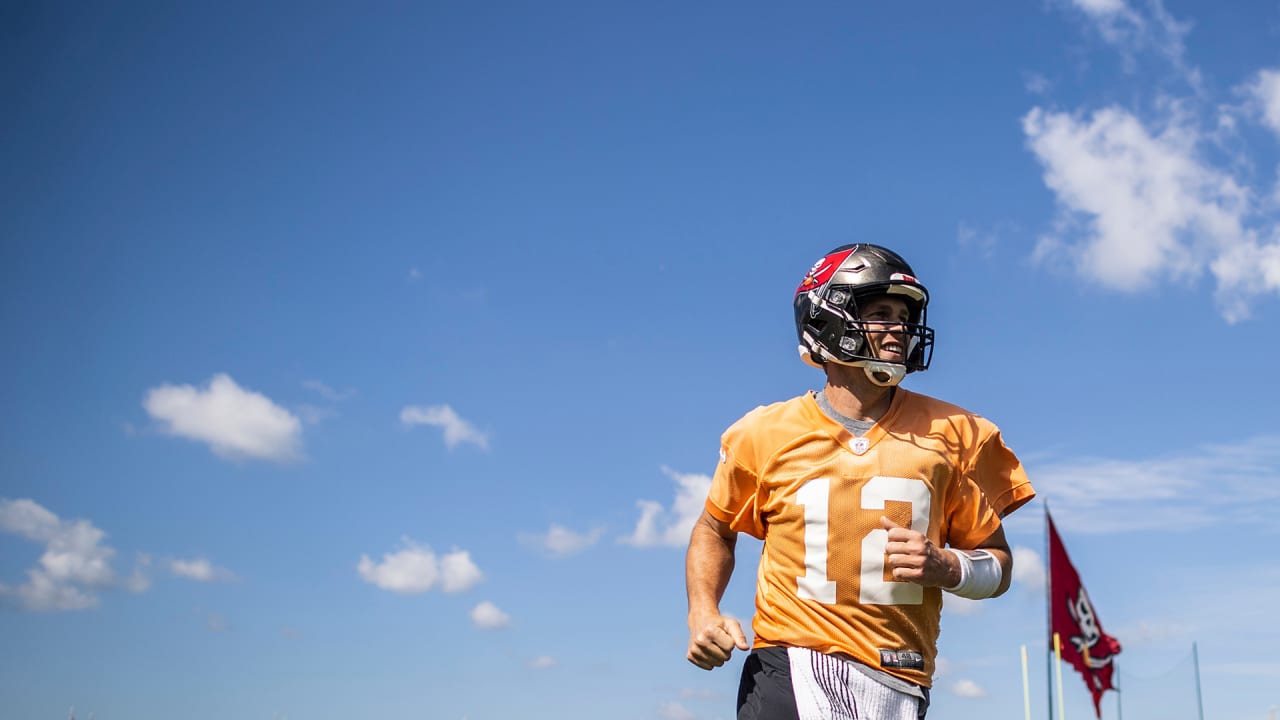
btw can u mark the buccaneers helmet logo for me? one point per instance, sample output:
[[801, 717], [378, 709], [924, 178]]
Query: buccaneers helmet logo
[[822, 271]]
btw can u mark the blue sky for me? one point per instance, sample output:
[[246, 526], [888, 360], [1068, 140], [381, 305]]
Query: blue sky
[[370, 360]]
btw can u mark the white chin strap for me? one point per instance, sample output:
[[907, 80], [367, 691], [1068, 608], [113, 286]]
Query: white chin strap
[[884, 374]]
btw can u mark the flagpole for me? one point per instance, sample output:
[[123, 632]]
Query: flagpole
[[1026, 686], [1195, 660], [1115, 673], [1048, 610]]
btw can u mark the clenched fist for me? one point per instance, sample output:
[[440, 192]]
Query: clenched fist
[[712, 639], [913, 558]]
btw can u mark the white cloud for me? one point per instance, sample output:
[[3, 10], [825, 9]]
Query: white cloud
[[74, 566], [543, 662], [314, 414], [28, 519], [200, 570], [456, 430], [967, 688], [1180, 492], [1149, 207], [663, 527], [1101, 8], [942, 667], [675, 711], [970, 239], [1117, 23], [416, 569], [486, 615], [411, 570], [138, 581], [1264, 90], [1132, 32], [983, 241], [1028, 569], [562, 542], [234, 422], [327, 392], [1144, 200], [1035, 83], [457, 572]]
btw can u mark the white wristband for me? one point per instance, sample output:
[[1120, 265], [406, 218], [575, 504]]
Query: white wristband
[[980, 574]]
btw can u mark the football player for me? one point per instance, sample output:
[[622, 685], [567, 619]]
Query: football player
[[871, 501]]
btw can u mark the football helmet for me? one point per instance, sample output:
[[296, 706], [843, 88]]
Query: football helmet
[[827, 319]]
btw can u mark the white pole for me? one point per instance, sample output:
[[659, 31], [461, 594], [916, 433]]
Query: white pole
[[1195, 658], [1057, 653], [1026, 687]]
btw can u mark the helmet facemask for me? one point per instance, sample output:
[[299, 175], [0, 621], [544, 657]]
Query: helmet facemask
[[842, 333]]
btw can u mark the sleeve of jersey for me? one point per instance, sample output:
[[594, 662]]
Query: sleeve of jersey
[[734, 495], [970, 517], [999, 473]]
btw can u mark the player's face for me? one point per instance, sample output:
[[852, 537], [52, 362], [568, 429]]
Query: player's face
[[886, 319]]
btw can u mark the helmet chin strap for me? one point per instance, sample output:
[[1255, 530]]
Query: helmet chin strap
[[879, 372], [884, 374]]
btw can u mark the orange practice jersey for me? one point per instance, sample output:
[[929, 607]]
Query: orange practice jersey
[[814, 493]]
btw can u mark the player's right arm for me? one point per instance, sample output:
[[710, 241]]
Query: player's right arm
[[708, 566]]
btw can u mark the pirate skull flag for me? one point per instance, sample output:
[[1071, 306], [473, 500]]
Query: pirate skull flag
[[1089, 650]]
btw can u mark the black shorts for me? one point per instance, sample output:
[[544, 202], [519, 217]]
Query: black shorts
[[765, 691]]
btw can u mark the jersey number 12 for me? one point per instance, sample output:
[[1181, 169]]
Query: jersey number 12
[[815, 496]]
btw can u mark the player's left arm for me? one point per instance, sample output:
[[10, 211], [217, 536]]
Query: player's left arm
[[981, 572]]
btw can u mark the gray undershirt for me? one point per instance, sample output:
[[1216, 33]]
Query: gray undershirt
[[857, 427], [860, 428]]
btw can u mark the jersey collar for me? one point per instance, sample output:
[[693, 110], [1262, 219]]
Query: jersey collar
[[847, 440]]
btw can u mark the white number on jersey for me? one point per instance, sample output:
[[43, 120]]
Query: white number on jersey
[[814, 496]]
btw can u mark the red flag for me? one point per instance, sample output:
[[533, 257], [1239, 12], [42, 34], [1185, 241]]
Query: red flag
[[1089, 650]]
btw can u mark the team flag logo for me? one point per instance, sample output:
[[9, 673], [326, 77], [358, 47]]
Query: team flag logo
[[822, 271], [1089, 650]]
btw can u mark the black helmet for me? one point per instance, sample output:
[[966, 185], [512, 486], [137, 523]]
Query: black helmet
[[827, 319]]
